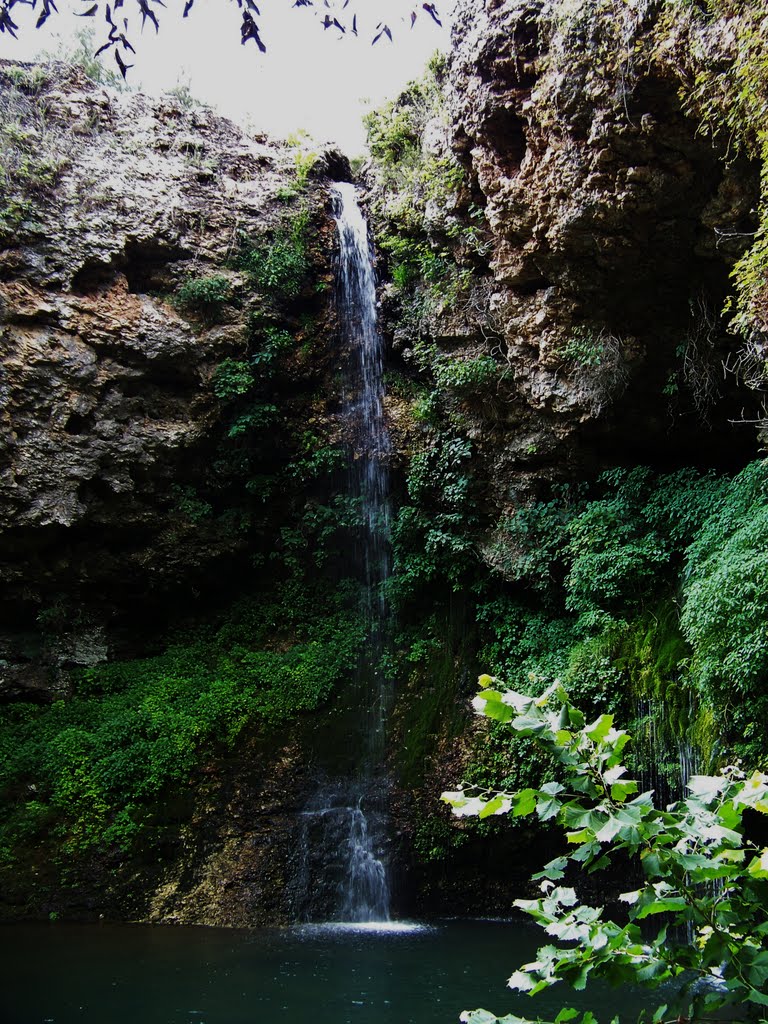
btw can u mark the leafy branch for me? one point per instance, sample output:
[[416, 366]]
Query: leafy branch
[[702, 877]]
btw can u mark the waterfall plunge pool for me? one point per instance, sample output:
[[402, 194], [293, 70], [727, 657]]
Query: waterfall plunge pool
[[315, 974]]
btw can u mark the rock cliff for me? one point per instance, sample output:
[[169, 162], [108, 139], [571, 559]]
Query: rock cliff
[[117, 212], [596, 227], [169, 370]]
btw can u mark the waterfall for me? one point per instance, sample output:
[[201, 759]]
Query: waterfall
[[666, 759], [343, 863]]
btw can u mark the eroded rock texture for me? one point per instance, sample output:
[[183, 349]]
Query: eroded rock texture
[[110, 422], [611, 225]]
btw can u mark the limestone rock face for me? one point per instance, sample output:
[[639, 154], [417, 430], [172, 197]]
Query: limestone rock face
[[610, 224], [111, 203]]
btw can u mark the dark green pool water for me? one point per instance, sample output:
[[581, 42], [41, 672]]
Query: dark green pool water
[[61, 974]]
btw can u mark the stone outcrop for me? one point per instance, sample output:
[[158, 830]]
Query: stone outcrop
[[114, 508], [611, 223], [110, 423]]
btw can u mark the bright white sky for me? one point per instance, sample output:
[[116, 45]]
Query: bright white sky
[[309, 78]]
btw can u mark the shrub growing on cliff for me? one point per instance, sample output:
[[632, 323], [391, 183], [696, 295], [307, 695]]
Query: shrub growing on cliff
[[279, 266], [205, 296], [466, 376], [681, 851], [232, 379]]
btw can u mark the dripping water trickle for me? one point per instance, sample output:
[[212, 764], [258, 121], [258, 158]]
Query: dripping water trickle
[[343, 861]]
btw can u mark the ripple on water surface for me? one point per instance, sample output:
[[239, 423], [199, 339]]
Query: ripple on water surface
[[397, 972]]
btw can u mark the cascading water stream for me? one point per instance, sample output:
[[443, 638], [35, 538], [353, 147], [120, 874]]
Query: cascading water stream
[[343, 860], [666, 757]]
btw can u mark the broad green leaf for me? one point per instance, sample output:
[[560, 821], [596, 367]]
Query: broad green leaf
[[651, 863], [552, 788], [586, 852], [706, 787], [609, 831], [758, 867], [757, 972], [566, 1014], [579, 983], [478, 1017], [524, 803], [661, 906], [630, 897], [528, 725], [621, 790], [555, 869], [754, 793], [521, 981], [599, 728], [500, 804], [521, 702], [464, 806], [548, 808], [490, 704], [584, 784], [584, 835], [565, 896]]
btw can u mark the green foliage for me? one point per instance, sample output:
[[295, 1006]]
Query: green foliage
[[315, 457], [524, 643], [417, 198], [137, 730], [622, 545], [182, 93], [394, 132], [278, 266], [33, 150], [681, 851], [431, 535], [79, 53], [188, 504], [731, 103], [205, 296], [29, 80], [606, 557], [726, 608], [530, 545], [433, 839], [585, 347], [304, 163], [232, 378], [650, 598], [419, 262], [466, 376], [429, 710]]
